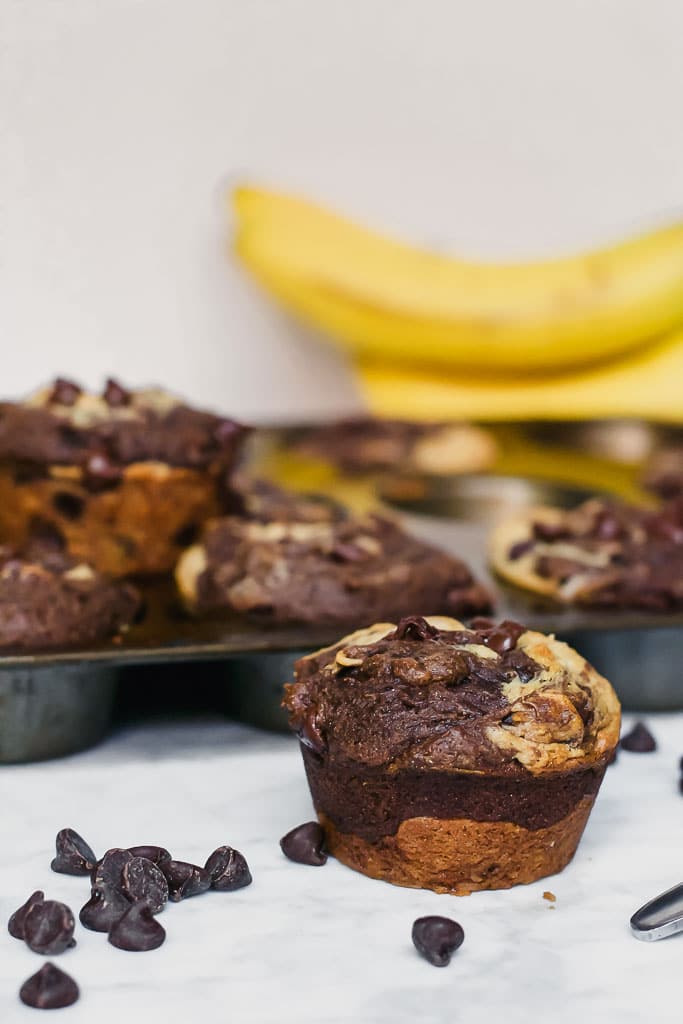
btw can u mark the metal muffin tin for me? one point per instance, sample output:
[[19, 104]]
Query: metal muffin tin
[[55, 703]]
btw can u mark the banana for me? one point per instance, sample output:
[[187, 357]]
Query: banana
[[386, 300], [647, 384]]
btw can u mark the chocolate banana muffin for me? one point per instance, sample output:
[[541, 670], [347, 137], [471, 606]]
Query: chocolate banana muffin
[[124, 479], [452, 759], [600, 554], [348, 571], [51, 601], [365, 444]]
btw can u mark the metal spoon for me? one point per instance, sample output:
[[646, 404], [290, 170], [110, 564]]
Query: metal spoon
[[661, 917]]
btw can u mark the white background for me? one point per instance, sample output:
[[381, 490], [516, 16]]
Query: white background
[[496, 127]]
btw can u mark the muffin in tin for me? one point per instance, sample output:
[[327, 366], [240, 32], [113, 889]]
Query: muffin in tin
[[347, 569], [123, 480], [49, 601], [366, 444], [452, 759], [599, 554]]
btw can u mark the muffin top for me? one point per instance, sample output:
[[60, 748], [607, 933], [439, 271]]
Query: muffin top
[[49, 600], [63, 424], [366, 444], [432, 695], [344, 571], [602, 553]]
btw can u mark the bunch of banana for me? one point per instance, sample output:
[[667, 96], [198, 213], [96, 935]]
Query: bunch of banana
[[394, 304]]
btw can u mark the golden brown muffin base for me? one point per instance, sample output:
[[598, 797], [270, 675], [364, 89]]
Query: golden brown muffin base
[[460, 855], [135, 527]]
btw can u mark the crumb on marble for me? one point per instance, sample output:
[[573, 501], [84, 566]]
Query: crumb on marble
[[549, 896]]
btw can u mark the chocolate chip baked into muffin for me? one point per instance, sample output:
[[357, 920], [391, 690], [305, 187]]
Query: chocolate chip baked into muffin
[[452, 759], [348, 570], [365, 444], [600, 554], [49, 600], [125, 479]]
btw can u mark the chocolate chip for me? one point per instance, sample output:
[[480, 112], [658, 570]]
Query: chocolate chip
[[157, 854], [228, 869], [115, 395], [348, 552], [49, 989], [101, 472], [305, 844], [226, 432], [550, 531], [436, 938], [74, 856], [49, 928], [64, 392], [639, 740], [108, 900], [504, 637], [522, 547], [137, 930], [102, 911], [107, 872], [15, 925], [69, 506], [143, 882], [185, 880], [186, 535], [46, 533], [413, 627]]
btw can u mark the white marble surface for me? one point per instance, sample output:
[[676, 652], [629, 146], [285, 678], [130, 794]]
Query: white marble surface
[[326, 945]]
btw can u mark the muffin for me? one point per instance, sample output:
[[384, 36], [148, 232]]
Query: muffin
[[366, 444], [50, 601], [261, 500], [123, 480], [664, 473], [452, 759], [600, 554], [347, 570]]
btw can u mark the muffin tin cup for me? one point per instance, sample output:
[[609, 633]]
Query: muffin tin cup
[[51, 711], [255, 688]]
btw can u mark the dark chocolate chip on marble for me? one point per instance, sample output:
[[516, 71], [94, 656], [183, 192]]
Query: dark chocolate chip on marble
[[49, 928], [49, 989], [74, 856], [115, 395], [102, 910], [157, 854], [639, 740], [64, 392], [228, 869], [137, 930], [185, 880], [142, 881], [305, 844], [15, 925], [437, 938]]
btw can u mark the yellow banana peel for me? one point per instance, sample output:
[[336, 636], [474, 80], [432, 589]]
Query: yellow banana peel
[[647, 384], [385, 300]]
